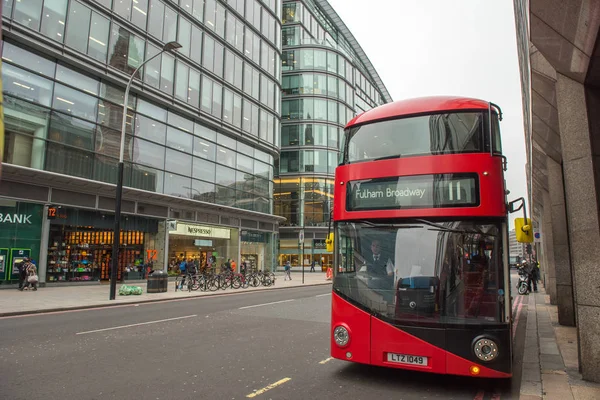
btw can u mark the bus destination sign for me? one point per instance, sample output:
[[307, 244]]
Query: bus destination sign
[[422, 191]]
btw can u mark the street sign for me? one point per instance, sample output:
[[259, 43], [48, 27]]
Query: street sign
[[301, 236], [537, 237]]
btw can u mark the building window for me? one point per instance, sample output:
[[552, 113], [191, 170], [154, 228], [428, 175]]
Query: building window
[[79, 27]]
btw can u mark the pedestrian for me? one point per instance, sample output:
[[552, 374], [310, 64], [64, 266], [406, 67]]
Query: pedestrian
[[32, 276], [22, 272], [243, 267], [312, 266], [288, 269]]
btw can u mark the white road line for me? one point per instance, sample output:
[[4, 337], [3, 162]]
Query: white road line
[[326, 360], [321, 295], [265, 304], [267, 388], [141, 323]]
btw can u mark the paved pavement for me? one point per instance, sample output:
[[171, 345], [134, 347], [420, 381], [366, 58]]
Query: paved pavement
[[58, 298], [550, 361]]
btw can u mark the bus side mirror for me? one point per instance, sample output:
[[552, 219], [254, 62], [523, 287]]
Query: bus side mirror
[[329, 242], [523, 230]]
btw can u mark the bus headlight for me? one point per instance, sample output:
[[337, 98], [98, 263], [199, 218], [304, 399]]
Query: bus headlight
[[341, 336], [485, 349]]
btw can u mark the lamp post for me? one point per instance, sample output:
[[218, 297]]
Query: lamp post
[[117, 235]]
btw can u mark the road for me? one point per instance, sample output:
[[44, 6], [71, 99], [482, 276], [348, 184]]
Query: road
[[267, 345]]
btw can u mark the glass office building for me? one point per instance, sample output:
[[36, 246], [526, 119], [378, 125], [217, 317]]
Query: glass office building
[[326, 80], [202, 133]]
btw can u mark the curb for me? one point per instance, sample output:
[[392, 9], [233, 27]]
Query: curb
[[96, 306]]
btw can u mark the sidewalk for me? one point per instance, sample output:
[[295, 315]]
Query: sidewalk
[[58, 298], [550, 362]]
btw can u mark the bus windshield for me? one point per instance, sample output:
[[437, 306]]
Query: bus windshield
[[420, 271], [449, 133]]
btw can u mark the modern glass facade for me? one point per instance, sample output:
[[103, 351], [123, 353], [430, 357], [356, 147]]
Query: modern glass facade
[[65, 118], [326, 81], [203, 124]]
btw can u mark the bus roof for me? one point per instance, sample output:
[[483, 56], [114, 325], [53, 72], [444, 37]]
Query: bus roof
[[421, 105]]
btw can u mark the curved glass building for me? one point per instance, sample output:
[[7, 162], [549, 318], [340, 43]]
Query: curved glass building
[[202, 134], [326, 80]]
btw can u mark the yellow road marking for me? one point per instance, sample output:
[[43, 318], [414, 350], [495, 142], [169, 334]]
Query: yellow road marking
[[267, 388], [326, 360]]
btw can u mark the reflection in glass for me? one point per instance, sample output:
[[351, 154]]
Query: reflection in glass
[[194, 88], [196, 45], [74, 102], [225, 196], [179, 140], [170, 27], [149, 154], [177, 185], [203, 191], [126, 50], [203, 169], [139, 13], [146, 178], [155, 20], [432, 134], [449, 272], [178, 162], [151, 110], [181, 86], [79, 27], [28, 13], [54, 17], [151, 70], [68, 161], [26, 85], [20, 56], [183, 36], [76, 79], [166, 73], [226, 156], [217, 100], [204, 149], [225, 176], [150, 129], [71, 131]]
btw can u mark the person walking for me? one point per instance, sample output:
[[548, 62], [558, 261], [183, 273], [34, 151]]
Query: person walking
[[288, 269], [22, 272], [312, 266], [32, 276]]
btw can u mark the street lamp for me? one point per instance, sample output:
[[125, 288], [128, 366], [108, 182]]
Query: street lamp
[[171, 46]]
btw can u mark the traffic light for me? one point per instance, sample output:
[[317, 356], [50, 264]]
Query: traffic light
[[523, 230]]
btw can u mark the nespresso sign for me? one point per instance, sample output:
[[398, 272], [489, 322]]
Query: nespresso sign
[[201, 230]]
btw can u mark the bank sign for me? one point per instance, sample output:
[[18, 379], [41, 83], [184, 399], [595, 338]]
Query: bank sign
[[201, 231], [8, 218], [423, 191]]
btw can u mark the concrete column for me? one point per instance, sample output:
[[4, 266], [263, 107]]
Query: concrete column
[[582, 219], [549, 264], [560, 245], [43, 261]]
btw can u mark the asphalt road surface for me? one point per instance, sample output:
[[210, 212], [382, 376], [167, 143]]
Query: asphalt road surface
[[261, 345]]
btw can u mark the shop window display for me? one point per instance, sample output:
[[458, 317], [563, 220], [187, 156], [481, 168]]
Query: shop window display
[[85, 255]]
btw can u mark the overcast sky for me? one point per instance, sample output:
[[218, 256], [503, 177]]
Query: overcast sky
[[447, 47]]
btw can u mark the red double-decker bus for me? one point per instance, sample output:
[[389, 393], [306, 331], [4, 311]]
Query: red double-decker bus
[[421, 277]]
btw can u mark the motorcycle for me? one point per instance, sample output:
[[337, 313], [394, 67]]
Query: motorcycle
[[524, 279]]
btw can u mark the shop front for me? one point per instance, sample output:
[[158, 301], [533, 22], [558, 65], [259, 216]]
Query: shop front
[[205, 245], [257, 250], [314, 251], [80, 246], [20, 236]]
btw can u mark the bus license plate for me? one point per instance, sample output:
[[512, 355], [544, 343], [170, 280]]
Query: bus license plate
[[406, 359]]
